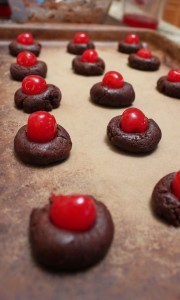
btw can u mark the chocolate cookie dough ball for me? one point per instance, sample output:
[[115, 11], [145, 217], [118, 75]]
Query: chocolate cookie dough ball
[[88, 64], [131, 44], [113, 91], [170, 85], [144, 60], [166, 198], [27, 64], [35, 94], [71, 233], [80, 43], [24, 42], [42, 141], [134, 132]]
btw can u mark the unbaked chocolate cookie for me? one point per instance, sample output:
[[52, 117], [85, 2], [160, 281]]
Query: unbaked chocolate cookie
[[165, 202], [113, 91], [170, 85], [36, 95], [80, 43], [133, 132], [24, 42], [42, 141], [27, 64], [131, 44], [64, 237], [88, 64], [144, 60]]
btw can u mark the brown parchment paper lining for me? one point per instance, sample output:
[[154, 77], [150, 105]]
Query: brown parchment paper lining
[[144, 260]]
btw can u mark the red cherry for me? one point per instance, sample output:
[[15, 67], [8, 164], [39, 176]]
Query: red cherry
[[81, 38], [132, 39], [144, 53], [25, 38], [41, 127], [26, 59], [73, 212], [174, 75], [90, 56], [33, 84], [176, 185], [113, 80], [133, 121]]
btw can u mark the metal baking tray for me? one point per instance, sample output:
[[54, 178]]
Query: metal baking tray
[[144, 259]]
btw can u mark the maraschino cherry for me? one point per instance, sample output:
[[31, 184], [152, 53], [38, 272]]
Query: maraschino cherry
[[73, 212], [25, 38], [174, 75], [33, 84], [132, 39], [133, 120], [41, 127], [176, 185], [81, 38], [26, 59], [113, 80], [89, 56], [144, 53]]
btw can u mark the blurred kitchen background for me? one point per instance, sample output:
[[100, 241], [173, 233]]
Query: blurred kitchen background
[[115, 12]]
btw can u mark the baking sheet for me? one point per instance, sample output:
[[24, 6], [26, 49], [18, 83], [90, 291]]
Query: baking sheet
[[144, 259]]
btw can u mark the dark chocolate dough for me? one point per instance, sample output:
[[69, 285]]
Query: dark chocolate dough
[[42, 153], [164, 203], [47, 100], [134, 142], [169, 88], [15, 48], [78, 49], [139, 63], [65, 250], [86, 68], [20, 72], [127, 48], [106, 96]]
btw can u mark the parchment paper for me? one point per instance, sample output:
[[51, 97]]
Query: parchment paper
[[144, 259]]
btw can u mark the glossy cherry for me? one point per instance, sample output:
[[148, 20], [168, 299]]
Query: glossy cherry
[[133, 120], [81, 38], [174, 75], [176, 185], [41, 127], [113, 80], [132, 39], [26, 59], [144, 53], [90, 56], [33, 85], [25, 38], [73, 212]]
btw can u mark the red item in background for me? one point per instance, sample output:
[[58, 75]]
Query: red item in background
[[136, 20], [5, 11]]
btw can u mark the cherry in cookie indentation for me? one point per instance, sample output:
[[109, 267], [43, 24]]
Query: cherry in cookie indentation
[[25, 38], [41, 127], [73, 212], [133, 120], [81, 38], [89, 56], [113, 80], [174, 75], [112, 91], [26, 59], [144, 53], [176, 185], [132, 39], [33, 84]]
